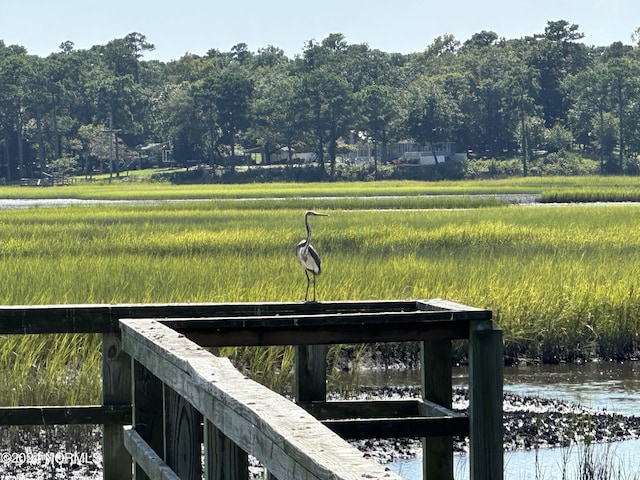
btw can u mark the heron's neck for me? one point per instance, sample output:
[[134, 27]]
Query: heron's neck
[[306, 222]]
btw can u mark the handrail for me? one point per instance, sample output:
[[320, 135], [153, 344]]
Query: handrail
[[282, 436], [434, 323]]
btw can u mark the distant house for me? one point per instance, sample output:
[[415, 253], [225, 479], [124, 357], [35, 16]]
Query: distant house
[[427, 154], [154, 154], [414, 153]]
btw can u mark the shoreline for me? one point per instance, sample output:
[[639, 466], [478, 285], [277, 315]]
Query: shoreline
[[529, 423]]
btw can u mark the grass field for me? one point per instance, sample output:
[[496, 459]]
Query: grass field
[[550, 188], [560, 280]]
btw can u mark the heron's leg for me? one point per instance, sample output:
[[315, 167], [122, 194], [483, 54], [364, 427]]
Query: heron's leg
[[306, 295], [314, 288]]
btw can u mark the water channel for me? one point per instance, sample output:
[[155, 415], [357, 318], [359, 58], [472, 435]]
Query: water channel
[[610, 386]]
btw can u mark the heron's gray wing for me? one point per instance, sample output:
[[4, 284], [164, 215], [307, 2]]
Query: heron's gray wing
[[315, 260]]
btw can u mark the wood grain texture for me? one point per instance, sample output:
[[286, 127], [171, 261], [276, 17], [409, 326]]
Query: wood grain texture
[[116, 392], [285, 438]]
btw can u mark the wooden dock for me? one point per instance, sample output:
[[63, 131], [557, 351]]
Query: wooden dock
[[167, 401]]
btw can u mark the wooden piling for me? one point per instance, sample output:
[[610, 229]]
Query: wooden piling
[[116, 391], [437, 455], [485, 401], [311, 373], [223, 458], [183, 436], [148, 408]]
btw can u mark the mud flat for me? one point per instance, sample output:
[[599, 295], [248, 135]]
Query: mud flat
[[529, 423]]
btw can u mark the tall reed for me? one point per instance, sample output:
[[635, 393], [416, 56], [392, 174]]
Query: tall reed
[[562, 282]]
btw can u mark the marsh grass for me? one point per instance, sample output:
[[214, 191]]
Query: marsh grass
[[548, 189], [166, 191], [562, 282]]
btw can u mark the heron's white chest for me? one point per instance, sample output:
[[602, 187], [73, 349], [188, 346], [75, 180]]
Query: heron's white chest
[[307, 258]]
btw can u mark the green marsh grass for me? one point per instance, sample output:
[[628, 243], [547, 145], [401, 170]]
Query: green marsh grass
[[562, 281], [165, 191], [550, 189]]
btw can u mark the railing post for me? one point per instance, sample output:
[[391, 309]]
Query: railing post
[[116, 390], [183, 436], [437, 452], [311, 373], [485, 401], [223, 458], [148, 405], [310, 376]]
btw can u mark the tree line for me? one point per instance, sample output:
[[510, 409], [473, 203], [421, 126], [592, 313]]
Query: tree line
[[495, 97]]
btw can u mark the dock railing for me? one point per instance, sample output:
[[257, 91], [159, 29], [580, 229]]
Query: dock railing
[[167, 401]]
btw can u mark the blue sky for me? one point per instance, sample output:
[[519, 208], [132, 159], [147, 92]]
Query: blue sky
[[403, 26]]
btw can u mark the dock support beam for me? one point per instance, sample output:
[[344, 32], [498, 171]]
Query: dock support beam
[[148, 415], [485, 401], [311, 373], [437, 452], [116, 390], [183, 436], [223, 458]]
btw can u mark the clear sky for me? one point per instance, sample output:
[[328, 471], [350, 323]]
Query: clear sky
[[403, 26]]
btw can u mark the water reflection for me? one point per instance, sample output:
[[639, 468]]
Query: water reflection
[[600, 385], [549, 464]]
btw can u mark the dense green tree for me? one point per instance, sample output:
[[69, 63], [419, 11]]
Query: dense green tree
[[326, 95], [232, 90], [483, 105], [384, 111], [625, 87], [495, 96], [556, 54], [16, 83], [277, 114], [183, 122], [588, 91], [433, 112]]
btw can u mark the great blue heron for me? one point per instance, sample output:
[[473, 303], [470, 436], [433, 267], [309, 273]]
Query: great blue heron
[[308, 255]]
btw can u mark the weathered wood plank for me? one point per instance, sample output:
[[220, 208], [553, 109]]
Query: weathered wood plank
[[148, 401], [376, 409], [311, 373], [183, 436], [223, 458], [116, 390], [65, 415], [322, 328], [437, 452], [149, 461], [289, 441], [102, 318], [409, 427], [485, 401], [440, 304], [336, 410]]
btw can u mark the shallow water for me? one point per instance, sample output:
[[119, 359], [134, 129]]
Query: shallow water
[[546, 464], [599, 385], [19, 203], [611, 386]]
